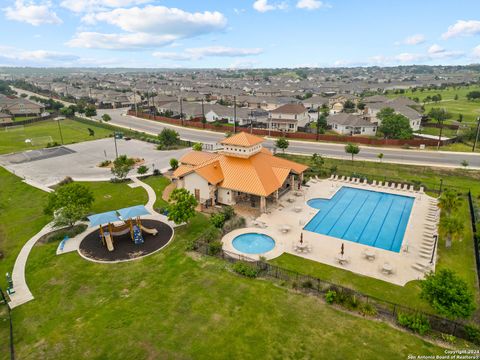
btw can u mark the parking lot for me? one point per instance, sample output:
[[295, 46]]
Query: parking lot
[[80, 161]]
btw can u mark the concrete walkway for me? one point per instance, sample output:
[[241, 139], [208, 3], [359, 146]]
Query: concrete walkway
[[22, 292]]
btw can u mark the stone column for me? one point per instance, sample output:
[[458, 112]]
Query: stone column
[[300, 180], [276, 196], [292, 182], [263, 204]]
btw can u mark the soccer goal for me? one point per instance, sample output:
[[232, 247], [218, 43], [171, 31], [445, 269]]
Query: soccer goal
[[14, 128], [41, 140]]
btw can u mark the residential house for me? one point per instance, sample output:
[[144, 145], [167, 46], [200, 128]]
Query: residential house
[[242, 172], [288, 117], [5, 118], [20, 107], [415, 118], [350, 124]]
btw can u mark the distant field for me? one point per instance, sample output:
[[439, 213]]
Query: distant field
[[13, 139], [469, 109]]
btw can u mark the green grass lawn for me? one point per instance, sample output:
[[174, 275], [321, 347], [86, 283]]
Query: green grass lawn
[[113, 196], [459, 257], [158, 183], [13, 140], [172, 305], [469, 109]]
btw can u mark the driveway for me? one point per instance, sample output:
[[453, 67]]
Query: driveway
[[80, 161]]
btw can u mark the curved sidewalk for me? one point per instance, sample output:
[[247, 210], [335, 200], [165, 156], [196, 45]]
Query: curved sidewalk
[[22, 293]]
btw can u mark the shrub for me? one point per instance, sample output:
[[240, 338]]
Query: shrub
[[156, 172], [234, 223], [142, 169], [415, 322], [245, 269], [368, 309], [52, 144], [449, 338], [214, 247], [105, 163], [307, 284], [448, 294], [473, 333], [229, 212], [217, 220], [65, 181], [330, 296], [173, 164], [210, 234]]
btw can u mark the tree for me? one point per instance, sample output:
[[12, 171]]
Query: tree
[[352, 149], [439, 114], [168, 137], [349, 106], [456, 97], [69, 203], [325, 110], [473, 95], [173, 163], [452, 227], [182, 206], [197, 147], [321, 122], [464, 163], [318, 160], [282, 143], [106, 117], [361, 105], [380, 156], [67, 111], [394, 126], [448, 294], [449, 201], [143, 169], [122, 165], [460, 117], [90, 110]]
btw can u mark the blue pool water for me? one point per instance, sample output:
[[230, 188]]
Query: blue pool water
[[367, 217], [253, 243]]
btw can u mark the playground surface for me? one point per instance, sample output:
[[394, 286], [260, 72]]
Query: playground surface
[[92, 248], [80, 161]]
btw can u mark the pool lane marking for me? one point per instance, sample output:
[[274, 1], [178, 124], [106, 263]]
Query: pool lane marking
[[325, 214], [370, 217], [383, 222], [355, 216], [405, 203]]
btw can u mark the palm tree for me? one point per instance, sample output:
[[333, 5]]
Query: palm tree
[[449, 201], [452, 227]]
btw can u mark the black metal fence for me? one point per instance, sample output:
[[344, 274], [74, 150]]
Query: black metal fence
[[476, 235], [384, 309]]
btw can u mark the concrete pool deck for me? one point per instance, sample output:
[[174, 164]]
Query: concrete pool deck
[[409, 264]]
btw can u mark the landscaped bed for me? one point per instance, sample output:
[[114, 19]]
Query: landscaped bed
[[92, 248]]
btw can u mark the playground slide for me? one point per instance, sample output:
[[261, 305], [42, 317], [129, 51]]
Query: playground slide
[[108, 241], [149, 231]]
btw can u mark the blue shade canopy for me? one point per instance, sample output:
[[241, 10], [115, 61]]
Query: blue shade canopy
[[103, 218], [133, 212]]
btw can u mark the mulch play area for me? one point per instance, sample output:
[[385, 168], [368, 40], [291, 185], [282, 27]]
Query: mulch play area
[[125, 249]]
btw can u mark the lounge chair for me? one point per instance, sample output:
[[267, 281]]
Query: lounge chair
[[343, 178], [379, 184], [331, 177], [422, 189], [386, 184], [405, 187], [365, 181], [412, 188], [399, 186], [374, 183], [347, 179], [392, 186]]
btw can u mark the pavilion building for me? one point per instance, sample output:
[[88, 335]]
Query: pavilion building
[[242, 172]]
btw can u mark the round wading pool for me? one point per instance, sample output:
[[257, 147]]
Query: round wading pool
[[253, 243]]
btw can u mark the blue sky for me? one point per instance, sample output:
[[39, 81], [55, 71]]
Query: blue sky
[[238, 34]]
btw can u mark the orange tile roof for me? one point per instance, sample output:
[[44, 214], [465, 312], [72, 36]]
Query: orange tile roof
[[211, 172], [196, 157], [260, 174], [242, 139]]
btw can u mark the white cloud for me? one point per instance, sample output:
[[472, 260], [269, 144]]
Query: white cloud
[[264, 6], [435, 49], [414, 39], [211, 51], [14, 56], [243, 64], [32, 13], [95, 40], [147, 27], [476, 52], [462, 28], [79, 6], [311, 4]]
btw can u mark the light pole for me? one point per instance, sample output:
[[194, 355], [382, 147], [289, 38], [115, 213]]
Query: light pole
[[476, 135], [115, 141], [234, 114], [181, 110], [59, 128]]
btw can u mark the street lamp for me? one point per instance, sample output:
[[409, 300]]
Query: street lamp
[[476, 135], [57, 119]]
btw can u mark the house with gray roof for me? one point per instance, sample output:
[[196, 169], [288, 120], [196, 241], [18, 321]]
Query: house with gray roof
[[351, 125]]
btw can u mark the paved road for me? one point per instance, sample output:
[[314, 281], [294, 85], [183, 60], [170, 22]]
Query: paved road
[[392, 155], [417, 157]]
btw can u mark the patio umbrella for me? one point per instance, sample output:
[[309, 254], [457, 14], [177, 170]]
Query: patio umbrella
[[342, 249], [301, 238]]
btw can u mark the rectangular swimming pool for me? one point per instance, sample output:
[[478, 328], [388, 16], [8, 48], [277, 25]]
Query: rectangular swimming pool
[[367, 217]]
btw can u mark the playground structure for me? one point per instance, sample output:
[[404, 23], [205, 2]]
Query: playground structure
[[121, 222]]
